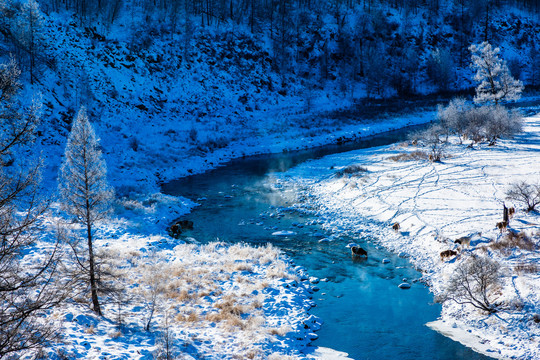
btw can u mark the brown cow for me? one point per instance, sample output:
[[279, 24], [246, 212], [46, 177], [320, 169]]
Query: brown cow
[[396, 227], [501, 226], [358, 251], [447, 254]]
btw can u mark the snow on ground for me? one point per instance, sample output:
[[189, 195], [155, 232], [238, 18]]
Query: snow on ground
[[214, 301], [436, 203]]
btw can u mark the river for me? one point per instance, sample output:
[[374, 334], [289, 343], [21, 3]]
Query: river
[[365, 314]]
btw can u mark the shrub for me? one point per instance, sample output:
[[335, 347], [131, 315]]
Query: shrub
[[478, 123], [524, 193], [433, 138], [453, 116], [474, 282]]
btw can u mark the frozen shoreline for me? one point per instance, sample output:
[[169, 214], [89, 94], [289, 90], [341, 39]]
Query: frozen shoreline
[[463, 337]]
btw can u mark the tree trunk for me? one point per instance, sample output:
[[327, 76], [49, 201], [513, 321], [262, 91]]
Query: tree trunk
[[93, 286]]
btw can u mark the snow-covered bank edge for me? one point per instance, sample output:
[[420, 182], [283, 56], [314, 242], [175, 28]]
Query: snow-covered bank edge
[[290, 140], [463, 337], [436, 203]]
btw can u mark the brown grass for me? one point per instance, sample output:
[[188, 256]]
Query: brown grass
[[525, 268], [281, 331], [115, 334], [409, 156], [351, 170], [511, 241], [243, 267]]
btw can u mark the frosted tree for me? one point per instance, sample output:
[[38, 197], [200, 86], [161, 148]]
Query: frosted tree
[[83, 188], [495, 83], [27, 290]]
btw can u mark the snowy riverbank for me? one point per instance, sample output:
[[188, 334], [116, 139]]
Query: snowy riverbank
[[213, 301], [436, 203]]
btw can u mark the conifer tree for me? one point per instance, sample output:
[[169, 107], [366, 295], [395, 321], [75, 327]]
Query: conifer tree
[[83, 187], [495, 83]]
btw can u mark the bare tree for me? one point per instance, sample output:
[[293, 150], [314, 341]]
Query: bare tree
[[433, 138], [83, 188], [26, 287], [525, 193], [474, 282], [453, 117]]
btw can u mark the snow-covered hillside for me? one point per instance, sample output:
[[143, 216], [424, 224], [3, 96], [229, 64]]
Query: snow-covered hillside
[[169, 100]]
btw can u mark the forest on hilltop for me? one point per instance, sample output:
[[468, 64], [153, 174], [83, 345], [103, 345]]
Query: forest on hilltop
[[390, 47]]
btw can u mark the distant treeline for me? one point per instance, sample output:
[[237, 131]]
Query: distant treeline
[[398, 47]]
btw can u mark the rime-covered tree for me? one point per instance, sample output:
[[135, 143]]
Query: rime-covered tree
[[495, 83], [27, 289], [83, 187]]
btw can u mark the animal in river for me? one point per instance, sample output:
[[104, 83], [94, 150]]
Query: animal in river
[[358, 251], [396, 227], [448, 253], [185, 224], [176, 229], [463, 241], [501, 226]]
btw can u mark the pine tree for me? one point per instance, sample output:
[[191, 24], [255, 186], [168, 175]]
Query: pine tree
[[495, 83], [83, 187]]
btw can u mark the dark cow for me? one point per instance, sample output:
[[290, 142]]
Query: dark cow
[[396, 226], [176, 229], [358, 251], [501, 226], [447, 254]]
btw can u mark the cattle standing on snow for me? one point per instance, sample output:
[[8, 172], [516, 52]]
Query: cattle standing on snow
[[396, 227], [463, 241], [448, 253], [358, 251], [501, 226]]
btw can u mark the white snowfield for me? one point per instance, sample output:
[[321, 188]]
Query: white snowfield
[[435, 204]]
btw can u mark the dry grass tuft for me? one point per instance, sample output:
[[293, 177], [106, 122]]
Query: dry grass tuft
[[115, 334], [410, 156], [281, 331], [524, 268], [243, 267], [511, 241], [351, 170]]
